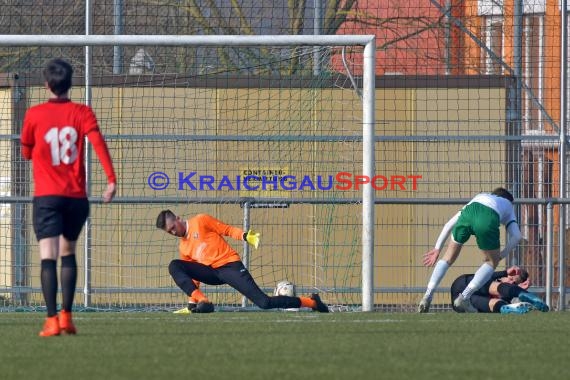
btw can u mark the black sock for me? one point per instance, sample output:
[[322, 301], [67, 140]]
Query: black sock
[[68, 281], [498, 305], [509, 291], [48, 277]]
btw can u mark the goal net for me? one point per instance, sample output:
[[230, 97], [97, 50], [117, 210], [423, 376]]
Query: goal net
[[265, 135]]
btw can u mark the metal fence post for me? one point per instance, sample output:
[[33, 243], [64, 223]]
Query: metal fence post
[[245, 259], [549, 250]]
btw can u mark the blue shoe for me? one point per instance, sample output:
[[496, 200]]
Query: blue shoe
[[516, 308], [534, 300]]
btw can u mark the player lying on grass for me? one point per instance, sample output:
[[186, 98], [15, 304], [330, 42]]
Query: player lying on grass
[[496, 295], [205, 257], [481, 217]]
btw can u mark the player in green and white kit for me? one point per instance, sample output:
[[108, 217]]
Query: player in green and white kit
[[481, 217]]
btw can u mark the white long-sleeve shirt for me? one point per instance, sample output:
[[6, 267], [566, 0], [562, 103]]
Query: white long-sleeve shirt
[[503, 207]]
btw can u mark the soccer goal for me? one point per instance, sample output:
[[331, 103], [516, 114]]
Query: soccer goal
[[275, 133]]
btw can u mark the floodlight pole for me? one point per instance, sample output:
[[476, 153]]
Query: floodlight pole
[[118, 29], [562, 153]]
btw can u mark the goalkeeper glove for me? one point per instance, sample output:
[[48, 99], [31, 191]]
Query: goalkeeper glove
[[252, 238]]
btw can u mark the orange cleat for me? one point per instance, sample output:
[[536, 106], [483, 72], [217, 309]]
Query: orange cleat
[[51, 327], [66, 324]]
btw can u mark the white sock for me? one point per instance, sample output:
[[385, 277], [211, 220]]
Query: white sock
[[438, 272], [483, 274]]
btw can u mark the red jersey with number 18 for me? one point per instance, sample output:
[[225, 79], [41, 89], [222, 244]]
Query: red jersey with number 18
[[53, 137]]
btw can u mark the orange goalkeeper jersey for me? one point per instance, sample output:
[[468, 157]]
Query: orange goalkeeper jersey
[[204, 241]]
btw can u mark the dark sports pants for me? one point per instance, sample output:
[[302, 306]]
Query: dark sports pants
[[233, 274]]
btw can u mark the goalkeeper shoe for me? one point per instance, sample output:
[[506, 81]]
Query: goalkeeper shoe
[[424, 305], [188, 309], [464, 304], [516, 308], [204, 307], [66, 323], [320, 306], [51, 327], [534, 300]]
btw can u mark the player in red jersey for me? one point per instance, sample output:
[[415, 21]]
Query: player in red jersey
[[206, 257], [53, 138]]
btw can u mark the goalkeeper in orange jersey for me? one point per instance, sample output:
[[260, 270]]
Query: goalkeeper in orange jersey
[[206, 257]]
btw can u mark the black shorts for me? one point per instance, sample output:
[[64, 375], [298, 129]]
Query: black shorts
[[459, 286], [56, 215]]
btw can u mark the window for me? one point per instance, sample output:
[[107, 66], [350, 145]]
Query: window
[[533, 53], [493, 39]]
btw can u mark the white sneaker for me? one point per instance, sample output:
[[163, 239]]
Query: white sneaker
[[424, 305], [464, 304]]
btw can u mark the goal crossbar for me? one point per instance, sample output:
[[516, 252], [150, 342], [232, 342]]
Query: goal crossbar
[[182, 40], [368, 99]]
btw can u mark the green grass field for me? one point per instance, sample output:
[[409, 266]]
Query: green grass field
[[289, 345]]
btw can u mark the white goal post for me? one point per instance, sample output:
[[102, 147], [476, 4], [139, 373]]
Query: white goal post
[[368, 100]]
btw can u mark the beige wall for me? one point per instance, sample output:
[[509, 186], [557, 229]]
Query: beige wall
[[454, 169], [5, 188], [306, 243]]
